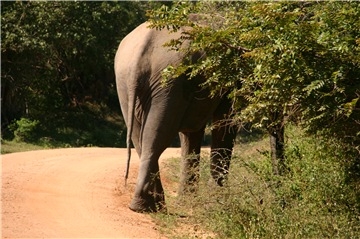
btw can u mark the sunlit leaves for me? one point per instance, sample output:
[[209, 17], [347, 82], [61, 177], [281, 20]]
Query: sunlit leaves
[[301, 58]]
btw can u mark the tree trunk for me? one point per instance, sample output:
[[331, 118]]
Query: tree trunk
[[277, 148]]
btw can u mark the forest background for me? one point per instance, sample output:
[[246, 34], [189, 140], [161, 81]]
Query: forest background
[[57, 77]]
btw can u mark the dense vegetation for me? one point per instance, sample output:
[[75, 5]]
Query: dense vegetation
[[292, 69], [315, 199], [281, 62], [57, 80], [284, 64]]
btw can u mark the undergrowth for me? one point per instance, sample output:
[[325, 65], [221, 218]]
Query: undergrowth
[[89, 125], [319, 196]]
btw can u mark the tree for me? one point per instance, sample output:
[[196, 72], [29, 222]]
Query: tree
[[279, 61], [57, 55]]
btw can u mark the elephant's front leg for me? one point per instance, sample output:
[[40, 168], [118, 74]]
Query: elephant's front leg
[[149, 193], [190, 154]]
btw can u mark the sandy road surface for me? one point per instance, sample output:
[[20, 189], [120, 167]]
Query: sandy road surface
[[72, 193]]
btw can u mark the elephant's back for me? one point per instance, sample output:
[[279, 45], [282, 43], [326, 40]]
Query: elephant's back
[[131, 49], [142, 50]]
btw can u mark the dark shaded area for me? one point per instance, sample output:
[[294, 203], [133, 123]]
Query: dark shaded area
[[57, 80]]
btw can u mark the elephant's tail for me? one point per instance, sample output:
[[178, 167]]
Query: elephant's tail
[[131, 116]]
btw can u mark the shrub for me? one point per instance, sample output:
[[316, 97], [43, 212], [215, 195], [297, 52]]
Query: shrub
[[313, 199], [24, 129]]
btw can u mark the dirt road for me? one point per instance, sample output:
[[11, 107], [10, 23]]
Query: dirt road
[[72, 193]]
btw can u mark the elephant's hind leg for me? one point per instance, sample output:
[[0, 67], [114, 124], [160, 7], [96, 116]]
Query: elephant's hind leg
[[149, 193], [158, 131]]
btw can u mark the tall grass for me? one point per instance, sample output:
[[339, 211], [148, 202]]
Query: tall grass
[[314, 199]]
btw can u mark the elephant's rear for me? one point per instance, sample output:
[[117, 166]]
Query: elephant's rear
[[139, 61], [127, 71], [127, 66]]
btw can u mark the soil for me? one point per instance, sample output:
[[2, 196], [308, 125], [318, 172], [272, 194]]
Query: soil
[[73, 193]]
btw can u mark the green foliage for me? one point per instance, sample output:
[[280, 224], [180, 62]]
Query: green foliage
[[93, 125], [314, 199], [25, 129], [296, 61], [57, 57]]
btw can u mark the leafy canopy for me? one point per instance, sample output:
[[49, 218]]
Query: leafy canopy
[[278, 60]]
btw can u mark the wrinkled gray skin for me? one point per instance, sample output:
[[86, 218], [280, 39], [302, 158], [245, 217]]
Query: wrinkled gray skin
[[155, 113]]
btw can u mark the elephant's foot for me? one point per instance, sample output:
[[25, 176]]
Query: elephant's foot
[[144, 206], [218, 178], [219, 173]]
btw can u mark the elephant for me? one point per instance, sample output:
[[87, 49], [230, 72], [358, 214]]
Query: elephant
[[155, 113]]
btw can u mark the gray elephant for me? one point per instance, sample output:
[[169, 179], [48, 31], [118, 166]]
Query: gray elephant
[[154, 113]]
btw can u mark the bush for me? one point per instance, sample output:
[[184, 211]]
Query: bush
[[24, 129], [88, 125], [314, 199]]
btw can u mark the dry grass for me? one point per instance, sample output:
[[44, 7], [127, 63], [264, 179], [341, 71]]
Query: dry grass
[[313, 200]]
